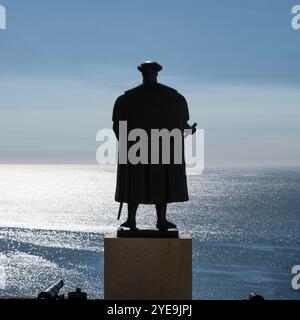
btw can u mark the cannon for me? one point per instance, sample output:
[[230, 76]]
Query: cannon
[[51, 293]]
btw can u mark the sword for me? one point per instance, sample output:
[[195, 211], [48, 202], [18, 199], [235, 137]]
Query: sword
[[193, 128], [120, 210]]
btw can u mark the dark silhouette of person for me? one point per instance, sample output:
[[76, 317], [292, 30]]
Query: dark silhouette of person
[[151, 105]]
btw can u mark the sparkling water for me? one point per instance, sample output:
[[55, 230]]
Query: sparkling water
[[245, 225]]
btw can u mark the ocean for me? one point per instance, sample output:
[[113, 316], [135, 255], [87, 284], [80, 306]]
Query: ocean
[[245, 226]]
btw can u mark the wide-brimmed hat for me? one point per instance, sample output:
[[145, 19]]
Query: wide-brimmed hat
[[149, 66]]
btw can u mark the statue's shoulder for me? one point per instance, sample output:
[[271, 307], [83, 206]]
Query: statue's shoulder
[[167, 88], [133, 90], [176, 96], [142, 87]]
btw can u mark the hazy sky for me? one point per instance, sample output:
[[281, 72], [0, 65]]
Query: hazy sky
[[64, 62]]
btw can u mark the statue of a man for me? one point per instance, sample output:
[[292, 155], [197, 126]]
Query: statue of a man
[[151, 105]]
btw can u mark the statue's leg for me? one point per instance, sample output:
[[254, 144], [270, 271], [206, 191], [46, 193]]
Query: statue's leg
[[162, 222], [131, 223]]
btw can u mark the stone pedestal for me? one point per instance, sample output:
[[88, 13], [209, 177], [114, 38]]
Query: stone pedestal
[[148, 268]]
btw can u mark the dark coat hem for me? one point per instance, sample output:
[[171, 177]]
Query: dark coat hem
[[152, 202]]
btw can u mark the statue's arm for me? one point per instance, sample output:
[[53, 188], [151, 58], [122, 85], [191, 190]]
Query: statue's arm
[[116, 128], [183, 112], [117, 115], [185, 116]]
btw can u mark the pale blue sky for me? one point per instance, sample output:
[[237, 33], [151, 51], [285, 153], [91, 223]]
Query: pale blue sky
[[63, 63]]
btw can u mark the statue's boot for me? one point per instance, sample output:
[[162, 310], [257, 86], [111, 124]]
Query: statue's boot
[[162, 222], [165, 225], [130, 222]]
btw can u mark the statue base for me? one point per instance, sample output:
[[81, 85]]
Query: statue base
[[146, 233], [147, 268]]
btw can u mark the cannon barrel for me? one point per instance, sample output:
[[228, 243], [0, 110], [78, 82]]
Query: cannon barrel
[[51, 293]]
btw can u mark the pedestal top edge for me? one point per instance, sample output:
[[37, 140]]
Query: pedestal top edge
[[180, 237]]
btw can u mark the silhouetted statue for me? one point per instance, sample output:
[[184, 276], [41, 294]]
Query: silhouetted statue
[[151, 105]]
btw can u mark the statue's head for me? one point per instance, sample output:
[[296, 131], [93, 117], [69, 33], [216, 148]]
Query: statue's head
[[149, 70]]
